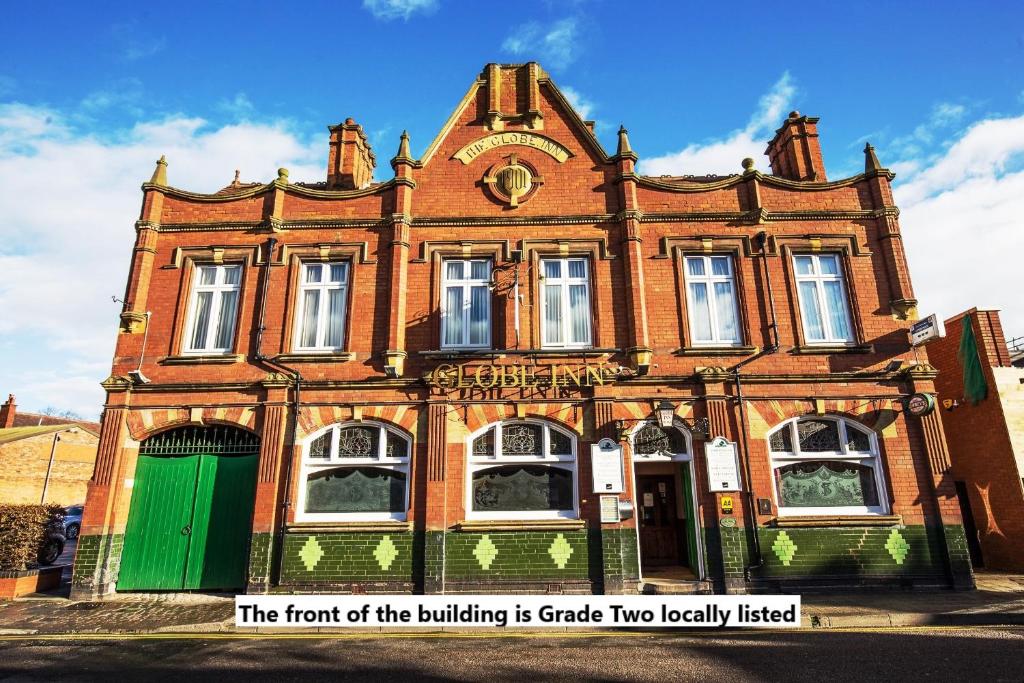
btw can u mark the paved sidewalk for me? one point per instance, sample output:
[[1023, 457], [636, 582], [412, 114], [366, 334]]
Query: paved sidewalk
[[999, 600]]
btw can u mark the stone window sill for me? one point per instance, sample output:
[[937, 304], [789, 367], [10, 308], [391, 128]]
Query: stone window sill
[[716, 351], [198, 359], [520, 525], [836, 520], [345, 527], [832, 349], [336, 357]]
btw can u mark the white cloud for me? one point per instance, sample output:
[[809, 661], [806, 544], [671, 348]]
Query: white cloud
[[69, 200], [398, 9], [239, 107], [555, 46], [960, 216], [724, 155], [583, 106]]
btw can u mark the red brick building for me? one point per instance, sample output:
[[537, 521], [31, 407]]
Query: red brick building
[[405, 385], [986, 439]]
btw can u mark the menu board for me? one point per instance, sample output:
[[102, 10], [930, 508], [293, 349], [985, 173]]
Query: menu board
[[609, 509]]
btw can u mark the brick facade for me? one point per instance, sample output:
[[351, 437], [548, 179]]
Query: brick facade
[[24, 463], [985, 439], [634, 233]]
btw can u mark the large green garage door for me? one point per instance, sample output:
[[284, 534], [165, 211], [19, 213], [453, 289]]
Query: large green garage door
[[191, 511]]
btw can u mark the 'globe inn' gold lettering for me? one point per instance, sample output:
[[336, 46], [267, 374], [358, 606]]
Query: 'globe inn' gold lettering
[[489, 376], [544, 144]]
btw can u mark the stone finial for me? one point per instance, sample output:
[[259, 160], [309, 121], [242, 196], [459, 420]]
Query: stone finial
[[871, 163], [282, 175], [624, 147], [403, 149], [160, 173], [748, 165]]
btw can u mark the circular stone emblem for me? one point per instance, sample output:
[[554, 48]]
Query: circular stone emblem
[[513, 182]]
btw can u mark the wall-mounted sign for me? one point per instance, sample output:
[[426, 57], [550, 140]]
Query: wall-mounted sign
[[920, 405], [609, 509], [726, 504], [723, 467], [539, 142], [648, 500], [606, 466], [491, 376], [926, 329]]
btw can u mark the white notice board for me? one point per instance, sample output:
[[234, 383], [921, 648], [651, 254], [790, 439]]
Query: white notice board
[[606, 466], [723, 466]]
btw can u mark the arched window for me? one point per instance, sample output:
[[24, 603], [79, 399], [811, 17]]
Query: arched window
[[354, 472], [826, 466], [523, 469], [651, 442]]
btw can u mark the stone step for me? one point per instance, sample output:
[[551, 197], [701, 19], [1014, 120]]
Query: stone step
[[658, 587]]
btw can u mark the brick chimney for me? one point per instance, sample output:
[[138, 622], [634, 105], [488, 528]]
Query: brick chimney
[[7, 412], [794, 152], [350, 162]]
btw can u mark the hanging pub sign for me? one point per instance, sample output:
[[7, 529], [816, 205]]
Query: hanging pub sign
[[920, 405], [493, 376], [723, 467], [606, 467], [926, 329]]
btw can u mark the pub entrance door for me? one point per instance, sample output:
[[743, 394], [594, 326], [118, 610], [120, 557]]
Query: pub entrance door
[[668, 540]]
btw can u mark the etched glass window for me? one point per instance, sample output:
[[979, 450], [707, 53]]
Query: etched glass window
[[826, 465], [653, 440], [355, 472], [522, 470]]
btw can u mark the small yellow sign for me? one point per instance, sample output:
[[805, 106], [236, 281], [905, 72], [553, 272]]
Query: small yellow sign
[[726, 503]]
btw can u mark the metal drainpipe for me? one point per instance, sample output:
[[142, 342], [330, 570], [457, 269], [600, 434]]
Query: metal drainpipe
[[296, 407], [761, 238]]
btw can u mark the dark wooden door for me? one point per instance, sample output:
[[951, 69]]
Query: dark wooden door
[[660, 526]]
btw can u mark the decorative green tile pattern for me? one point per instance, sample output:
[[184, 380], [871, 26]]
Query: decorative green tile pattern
[[311, 553], [560, 551], [385, 553], [897, 547], [784, 548], [485, 552]]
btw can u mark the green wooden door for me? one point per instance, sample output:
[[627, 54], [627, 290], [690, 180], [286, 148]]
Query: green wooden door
[[691, 525], [222, 522], [189, 523], [156, 538]]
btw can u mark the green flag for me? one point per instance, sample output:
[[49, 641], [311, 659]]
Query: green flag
[[975, 388]]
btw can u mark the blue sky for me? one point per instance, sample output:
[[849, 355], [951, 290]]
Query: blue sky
[[91, 95]]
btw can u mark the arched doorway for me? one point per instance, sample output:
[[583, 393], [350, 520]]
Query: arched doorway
[[191, 510], [669, 546]]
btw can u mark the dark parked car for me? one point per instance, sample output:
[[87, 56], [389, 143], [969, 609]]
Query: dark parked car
[[72, 521]]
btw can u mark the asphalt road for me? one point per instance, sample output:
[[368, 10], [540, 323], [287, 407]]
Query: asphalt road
[[976, 654]]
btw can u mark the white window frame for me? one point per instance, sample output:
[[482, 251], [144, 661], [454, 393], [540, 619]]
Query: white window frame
[[466, 284], [218, 288], [333, 461], [563, 283], [871, 458], [324, 287], [708, 279], [818, 278], [497, 459]]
